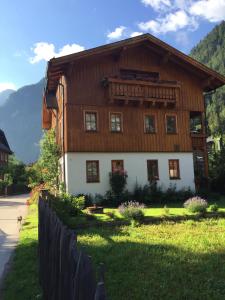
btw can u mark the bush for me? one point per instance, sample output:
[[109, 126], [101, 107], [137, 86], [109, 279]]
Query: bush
[[214, 207], [118, 181], [72, 204], [132, 210], [196, 205]]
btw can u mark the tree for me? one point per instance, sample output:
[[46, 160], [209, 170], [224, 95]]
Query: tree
[[49, 160]]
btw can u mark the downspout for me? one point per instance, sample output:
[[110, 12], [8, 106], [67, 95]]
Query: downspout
[[63, 133]]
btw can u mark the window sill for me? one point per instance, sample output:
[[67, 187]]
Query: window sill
[[91, 131], [172, 133], [175, 178], [116, 131], [93, 181]]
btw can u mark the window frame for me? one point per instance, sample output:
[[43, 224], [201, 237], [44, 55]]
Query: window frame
[[115, 160], [178, 169], [171, 115], [155, 122], [121, 122], [157, 164], [98, 173], [90, 112]]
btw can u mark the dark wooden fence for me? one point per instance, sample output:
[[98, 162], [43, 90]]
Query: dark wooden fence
[[66, 272]]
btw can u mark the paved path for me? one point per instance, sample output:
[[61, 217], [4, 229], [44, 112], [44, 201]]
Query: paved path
[[10, 209]]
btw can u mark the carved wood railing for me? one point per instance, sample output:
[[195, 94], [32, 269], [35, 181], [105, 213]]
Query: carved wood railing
[[143, 91]]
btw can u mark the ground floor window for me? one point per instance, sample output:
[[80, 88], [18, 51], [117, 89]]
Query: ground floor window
[[92, 170], [153, 170], [117, 165], [174, 169]]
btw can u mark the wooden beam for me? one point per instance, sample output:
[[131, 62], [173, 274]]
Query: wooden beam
[[207, 81]]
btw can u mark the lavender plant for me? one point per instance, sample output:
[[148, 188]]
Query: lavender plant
[[132, 210], [196, 205]]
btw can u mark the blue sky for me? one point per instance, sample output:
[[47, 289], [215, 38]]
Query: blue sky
[[33, 31]]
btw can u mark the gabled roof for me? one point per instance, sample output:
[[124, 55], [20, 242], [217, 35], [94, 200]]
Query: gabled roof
[[212, 80], [4, 146]]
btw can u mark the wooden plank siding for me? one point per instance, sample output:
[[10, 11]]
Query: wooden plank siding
[[84, 91]]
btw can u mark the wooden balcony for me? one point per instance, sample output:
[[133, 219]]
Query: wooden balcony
[[139, 92], [198, 141]]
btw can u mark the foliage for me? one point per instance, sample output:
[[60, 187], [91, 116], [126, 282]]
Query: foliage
[[132, 210], [196, 205], [211, 52], [118, 181], [217, 170], [214, 207], [22, 281], [34, 173], [14, 176], [166, 210], [49, 160], [68, 205]]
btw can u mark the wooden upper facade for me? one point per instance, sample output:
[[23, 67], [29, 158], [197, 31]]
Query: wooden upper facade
[[4, 149], [129, 82]]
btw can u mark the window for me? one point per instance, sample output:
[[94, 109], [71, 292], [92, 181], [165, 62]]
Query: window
[[138, 75], [90, 121], [92, 170], [174, 170], [150, 124], [117, 165], [196, 122], [171, 123], [116, 122], [153, 170]]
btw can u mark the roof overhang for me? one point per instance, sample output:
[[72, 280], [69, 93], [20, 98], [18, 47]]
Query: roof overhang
[[211, 80]]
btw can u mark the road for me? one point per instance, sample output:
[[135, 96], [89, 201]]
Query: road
[[10, 209]]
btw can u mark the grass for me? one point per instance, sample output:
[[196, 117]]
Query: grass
[[164, 261], [22, 281]]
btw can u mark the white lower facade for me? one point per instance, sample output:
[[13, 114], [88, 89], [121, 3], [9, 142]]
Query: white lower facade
[[134, 163]]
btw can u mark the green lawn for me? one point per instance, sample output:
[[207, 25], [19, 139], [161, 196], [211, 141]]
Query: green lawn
[[22, 281], [164, 261]]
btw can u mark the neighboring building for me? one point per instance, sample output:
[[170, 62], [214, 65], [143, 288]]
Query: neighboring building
[[4, 149], [136, 105]]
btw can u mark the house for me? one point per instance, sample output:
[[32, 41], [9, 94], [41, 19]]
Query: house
[[4, 149], [134, 105]]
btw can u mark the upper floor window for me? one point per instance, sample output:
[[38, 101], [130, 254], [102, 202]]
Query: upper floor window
[[117, 165], [150, 125], [138, 75], [174, 169], [90, 121], [171, 123], [153, 170], [92, 170], [196, 124], [116, 122]]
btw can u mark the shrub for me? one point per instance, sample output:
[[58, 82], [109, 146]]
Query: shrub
[[132, 210], [196, 205], [118, 181], [214, 207], [72, 204]]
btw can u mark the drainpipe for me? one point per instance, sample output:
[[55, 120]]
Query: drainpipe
[[63, 135]]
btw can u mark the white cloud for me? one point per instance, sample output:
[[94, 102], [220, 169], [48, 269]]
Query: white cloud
[[117, 33], [46, 51], [157, 4], [182, 38], [135, 33], [7, 86], [171, 22], [212, 10]]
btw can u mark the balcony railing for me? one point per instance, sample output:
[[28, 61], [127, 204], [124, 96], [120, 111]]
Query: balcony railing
[[198, 141], [142, 91]]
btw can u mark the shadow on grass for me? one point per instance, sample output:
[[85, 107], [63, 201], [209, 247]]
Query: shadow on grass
[[155, 271], [21, 283]]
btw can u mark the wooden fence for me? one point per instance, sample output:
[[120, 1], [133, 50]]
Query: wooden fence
[[66, 272]]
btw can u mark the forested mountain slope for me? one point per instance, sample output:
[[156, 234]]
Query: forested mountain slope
[[211, 52]]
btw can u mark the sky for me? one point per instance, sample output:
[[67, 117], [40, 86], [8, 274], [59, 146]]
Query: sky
[[34, 31]]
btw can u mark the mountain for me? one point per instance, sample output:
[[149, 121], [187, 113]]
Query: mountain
[[211, 52], [4, 95], [20, 119]]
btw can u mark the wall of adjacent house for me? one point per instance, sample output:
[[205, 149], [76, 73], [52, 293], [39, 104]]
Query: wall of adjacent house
[[134, 163]]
